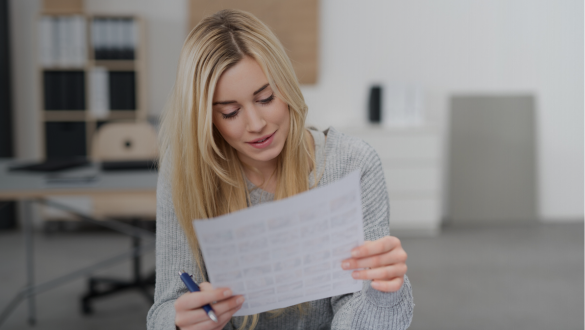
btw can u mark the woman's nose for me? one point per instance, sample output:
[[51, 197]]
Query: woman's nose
[[255, 122]]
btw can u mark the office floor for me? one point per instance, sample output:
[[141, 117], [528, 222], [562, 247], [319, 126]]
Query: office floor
[[522, 277]]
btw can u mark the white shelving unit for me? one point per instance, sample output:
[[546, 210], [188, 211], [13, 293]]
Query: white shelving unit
[[67, 43], [413, 168]]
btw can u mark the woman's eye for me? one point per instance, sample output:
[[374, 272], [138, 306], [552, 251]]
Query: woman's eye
[[267, 100], [230, 115]]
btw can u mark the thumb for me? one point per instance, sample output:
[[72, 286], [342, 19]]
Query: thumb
[[205, 286]]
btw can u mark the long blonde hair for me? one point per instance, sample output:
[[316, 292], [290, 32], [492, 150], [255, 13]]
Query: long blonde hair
[[205, 171]]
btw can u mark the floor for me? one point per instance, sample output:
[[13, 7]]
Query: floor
[[525, 277], [522, 277]]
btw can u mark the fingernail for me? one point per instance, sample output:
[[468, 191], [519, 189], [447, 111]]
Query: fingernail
[[227, 293], [355, 253], [240, 300], [355, 275], [345, 265], [375, 285]]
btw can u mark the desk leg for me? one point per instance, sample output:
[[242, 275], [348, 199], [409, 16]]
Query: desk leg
[[28, 242]]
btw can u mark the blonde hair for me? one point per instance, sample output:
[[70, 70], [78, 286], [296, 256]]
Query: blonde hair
[[206, 173]]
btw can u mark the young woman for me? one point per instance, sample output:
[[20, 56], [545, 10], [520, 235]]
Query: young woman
[[233, 135]]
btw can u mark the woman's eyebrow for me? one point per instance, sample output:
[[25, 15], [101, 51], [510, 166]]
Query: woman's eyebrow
[[261, 89], [229, 102]]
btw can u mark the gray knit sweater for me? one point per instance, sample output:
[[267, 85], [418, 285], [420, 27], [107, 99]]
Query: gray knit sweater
[[336, 156]]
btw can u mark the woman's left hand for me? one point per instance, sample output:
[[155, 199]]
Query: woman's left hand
[[384, 260]]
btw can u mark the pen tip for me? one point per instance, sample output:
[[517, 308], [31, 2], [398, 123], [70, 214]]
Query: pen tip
[[212, 316]]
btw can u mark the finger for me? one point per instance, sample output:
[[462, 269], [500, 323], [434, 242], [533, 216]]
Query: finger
[[193, 300], [222, 320], [381, 245], [385, 259], [206, 324], [199, 316], [388, 286], [380, 273], [189, 318], [229, 313], [227, 305], [205, 286]]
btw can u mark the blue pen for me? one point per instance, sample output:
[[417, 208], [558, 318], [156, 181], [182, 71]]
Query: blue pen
[[193, 287]]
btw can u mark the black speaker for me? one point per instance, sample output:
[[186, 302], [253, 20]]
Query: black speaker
[[375, 104]]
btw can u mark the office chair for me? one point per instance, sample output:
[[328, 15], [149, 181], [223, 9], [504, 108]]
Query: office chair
[[124, 142]]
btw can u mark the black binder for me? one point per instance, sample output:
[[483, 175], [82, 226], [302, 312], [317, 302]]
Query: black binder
[[64, 90], [122, 90]]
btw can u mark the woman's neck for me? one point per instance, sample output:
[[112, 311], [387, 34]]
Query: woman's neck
[[265, 179]]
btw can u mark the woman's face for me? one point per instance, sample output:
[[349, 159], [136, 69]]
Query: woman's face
[[248, 114]]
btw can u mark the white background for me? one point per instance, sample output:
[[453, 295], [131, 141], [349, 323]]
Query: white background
[[446, 47]]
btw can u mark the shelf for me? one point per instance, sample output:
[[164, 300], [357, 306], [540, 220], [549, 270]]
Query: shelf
[[123, 76], [80, 115], [118, 115], [63, 68], [64, 115], [115, 65]]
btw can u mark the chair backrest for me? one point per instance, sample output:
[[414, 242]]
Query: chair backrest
[[125, 141]]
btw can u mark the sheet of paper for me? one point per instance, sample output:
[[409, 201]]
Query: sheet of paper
[[286, 252]]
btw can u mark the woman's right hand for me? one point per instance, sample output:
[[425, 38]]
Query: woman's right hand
[[189, 313]]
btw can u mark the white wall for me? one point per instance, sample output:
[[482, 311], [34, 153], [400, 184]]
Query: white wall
[[446, 47], [463, 46]]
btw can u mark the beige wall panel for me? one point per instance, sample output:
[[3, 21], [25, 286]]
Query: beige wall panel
[[295, 23]]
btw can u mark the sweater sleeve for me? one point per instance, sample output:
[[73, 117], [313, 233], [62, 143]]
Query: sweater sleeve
[[370, 308], [173, 254]]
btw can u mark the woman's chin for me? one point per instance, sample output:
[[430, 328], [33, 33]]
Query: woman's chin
[[262, 156], [266, 157]]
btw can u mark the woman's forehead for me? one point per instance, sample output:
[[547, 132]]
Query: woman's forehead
[[240, 81]]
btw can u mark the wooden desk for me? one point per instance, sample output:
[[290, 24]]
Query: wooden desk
[[31, 187]]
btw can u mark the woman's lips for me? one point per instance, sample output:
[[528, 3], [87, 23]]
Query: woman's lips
[[266, 141]]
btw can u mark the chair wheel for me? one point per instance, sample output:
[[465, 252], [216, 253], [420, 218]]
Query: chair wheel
[[86, 308]]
